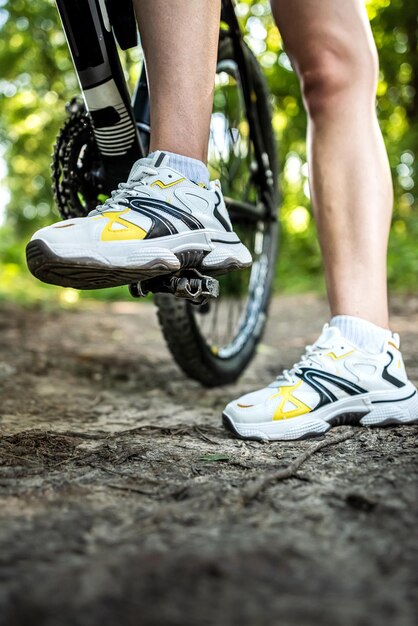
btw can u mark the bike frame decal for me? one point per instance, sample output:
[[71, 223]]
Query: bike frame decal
[[96, 61]]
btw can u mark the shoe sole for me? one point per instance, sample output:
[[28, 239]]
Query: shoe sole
[[69, 268], [374, 409]]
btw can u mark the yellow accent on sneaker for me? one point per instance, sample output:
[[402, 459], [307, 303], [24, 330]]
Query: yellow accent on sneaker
[[286, 395], [129, 232], [342, 356], [394, 346], [161, 185]]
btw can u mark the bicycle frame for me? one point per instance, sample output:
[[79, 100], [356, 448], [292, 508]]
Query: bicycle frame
[[121, 127]]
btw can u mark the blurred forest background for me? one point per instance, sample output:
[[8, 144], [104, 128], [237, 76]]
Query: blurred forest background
[[37, 79]]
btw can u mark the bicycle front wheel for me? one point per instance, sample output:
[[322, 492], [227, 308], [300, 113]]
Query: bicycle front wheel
[[215, 342]]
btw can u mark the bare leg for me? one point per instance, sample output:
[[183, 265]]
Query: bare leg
[[180, 40], [332, 50]]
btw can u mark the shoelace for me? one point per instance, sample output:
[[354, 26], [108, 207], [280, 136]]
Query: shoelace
[[311, 356], [123, 189]]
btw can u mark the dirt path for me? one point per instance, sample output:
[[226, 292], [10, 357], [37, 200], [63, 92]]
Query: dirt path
[[113, 509]]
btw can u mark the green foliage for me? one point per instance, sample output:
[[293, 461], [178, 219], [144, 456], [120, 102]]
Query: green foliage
[[394, 25], [37, 79]]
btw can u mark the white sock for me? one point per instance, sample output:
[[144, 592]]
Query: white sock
[[361, 333], [194, 170]]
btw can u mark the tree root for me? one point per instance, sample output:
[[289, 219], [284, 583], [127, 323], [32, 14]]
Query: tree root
[[261, 483]]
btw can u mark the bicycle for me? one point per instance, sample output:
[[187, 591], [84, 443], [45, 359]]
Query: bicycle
[[211, 339]]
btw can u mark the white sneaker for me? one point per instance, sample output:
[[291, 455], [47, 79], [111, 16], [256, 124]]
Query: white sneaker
[[157, 223], [334, 383]]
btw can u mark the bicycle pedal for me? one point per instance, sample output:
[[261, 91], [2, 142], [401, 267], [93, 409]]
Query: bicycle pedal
[[189, 284]]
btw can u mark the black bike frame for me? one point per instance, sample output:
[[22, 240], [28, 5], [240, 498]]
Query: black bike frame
[[121, 127]]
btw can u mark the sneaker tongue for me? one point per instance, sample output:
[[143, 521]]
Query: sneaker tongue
[[328, 334], [133, 174], [159, 159], [156, 160]]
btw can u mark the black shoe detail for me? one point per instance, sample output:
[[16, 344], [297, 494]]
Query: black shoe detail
[[230, 243], [229, 425], [160, 227], [159, 160], [141, 205], [389, 377], [347, 419], [326, 396], [218, 215]]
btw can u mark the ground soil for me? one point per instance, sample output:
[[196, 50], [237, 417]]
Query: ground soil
[[124, 502]]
